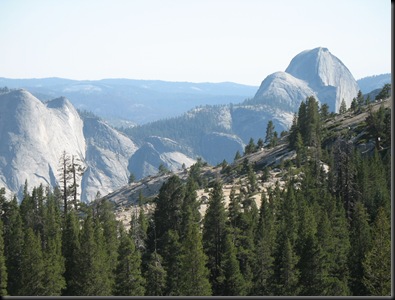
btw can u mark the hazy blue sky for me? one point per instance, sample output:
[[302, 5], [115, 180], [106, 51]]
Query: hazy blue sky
[[179, 40]]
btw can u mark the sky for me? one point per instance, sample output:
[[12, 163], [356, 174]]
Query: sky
[[240, 41]]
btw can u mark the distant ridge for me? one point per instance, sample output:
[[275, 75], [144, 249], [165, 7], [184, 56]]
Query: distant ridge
[[370, 83]]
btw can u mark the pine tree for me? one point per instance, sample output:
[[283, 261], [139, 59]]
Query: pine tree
[[285, 278], [294, 130], [232, 280], [93, 278], [171, 254], [214, 232], [70, 250], [106, 218], [360, 243], [341, 246], [138, 228], [263, 267], [54, 266], [194, 273], [300, 150], [64, 175], [156, 276], [252, 187], [244, 241], [343, 107], [354, 105], [168, 211], [289, 218], [128, 277], [190, 205], [250, 147], [13, 246], [385, 92], [324, 111], [269, 132], [3, 268], [263, 250], [314, 248], [360, 100], [32, 266], [377, 262]]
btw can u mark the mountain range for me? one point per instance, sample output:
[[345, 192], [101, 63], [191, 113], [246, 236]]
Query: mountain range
[[127, 102], [35, 130]]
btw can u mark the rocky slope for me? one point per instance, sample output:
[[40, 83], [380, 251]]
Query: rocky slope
[[347, 126]]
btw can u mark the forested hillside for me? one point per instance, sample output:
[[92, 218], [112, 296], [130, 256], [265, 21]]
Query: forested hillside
[[324, 231]]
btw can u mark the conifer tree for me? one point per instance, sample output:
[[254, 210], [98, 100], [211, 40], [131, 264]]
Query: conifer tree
[[341, 246], [377, 262], [128, 277], [54, 266], [263, 267], [288, 215], [285, 278], [343, 107], [138, 228], [269, 132], [252, 187], [3, 268], [194, 273], [324, 111], [168, 211], [70, 250], [385, 92], [214, 232], [245, 243], [93, 278], [234, 211], [313, 250], [190, 205], [171, 254], [232, 280], [155, 276], [294, 130], [300, 150], [13, 245], [360, 243], [360, 100], [250, 147], [32, 266], [106, 219]]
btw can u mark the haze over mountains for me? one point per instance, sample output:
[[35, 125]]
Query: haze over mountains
[[126, 102], [35, 133]]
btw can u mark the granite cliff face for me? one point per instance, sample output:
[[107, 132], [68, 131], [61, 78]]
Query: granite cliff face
[[314, 72], [34, 135], [107, 157]]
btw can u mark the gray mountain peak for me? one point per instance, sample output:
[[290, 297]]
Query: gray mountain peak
[[314, 72]]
